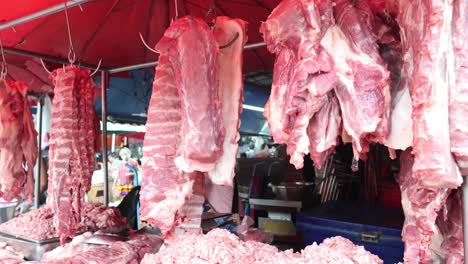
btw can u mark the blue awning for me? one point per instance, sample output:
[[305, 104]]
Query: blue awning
[[128, 100]]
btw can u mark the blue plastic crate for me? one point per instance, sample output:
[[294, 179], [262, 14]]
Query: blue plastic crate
[[377, 229]]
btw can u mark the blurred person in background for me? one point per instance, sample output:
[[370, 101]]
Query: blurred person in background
[[125, 180], [113, 164]]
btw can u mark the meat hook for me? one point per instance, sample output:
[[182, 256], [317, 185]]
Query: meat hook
[[146, 45], [44, 66], [71, 52], [230, 42], [97, 68]]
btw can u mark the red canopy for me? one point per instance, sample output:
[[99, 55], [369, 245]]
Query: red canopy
[[109, 29]]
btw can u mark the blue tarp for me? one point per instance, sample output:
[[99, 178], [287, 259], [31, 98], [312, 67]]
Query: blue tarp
[[128, 100]]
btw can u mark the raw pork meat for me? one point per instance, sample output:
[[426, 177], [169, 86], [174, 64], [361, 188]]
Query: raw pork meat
[[459, 90], [184, 127], [421, 206], [220, 246], [401, 132], [315, 55], [72, 142], [18, 142], [386, 29], [323, 131], [231, 93], [128, 252], [95, 217], [450, 224], [9, 255], [425, 28], [303, 73], [188, 218], [364, 89]]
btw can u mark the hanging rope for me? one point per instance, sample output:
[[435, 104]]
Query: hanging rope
[[71, 52], [4, 70]]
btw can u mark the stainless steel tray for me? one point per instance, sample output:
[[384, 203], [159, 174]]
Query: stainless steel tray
[[27, 239], [31, 249]]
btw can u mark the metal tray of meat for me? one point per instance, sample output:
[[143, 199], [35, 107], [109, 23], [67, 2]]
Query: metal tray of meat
[[31, 249], [31, 240]]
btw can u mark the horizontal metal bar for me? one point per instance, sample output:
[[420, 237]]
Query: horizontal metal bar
[[254, 45], [49, 58], [133, 67], [152, 64], [42, 13]]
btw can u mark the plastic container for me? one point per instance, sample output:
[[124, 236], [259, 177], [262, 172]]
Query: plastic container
[[378, 229]]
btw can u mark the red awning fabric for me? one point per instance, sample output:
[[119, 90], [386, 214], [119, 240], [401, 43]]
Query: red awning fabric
[[109, 29]]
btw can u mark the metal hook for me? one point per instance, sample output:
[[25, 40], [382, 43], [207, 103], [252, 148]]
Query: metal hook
[[146, 45], [97, 68], [44, 66], [4, 70], [230, 42], [71, 52]]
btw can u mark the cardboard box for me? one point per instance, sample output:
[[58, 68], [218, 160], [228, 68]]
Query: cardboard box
[[96, 193]]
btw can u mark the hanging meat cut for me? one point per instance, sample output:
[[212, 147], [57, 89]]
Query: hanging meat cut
[[324, 129], [325, 50], [231, 88], [459, 90], [421, 207], [303, 72], [184, 127], [72, 142], [450, 223], [18, 142], [364, 87], [431, 73], [424, 44]]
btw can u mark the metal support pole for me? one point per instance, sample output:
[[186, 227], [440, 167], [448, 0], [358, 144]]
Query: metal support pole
[[37, 182], [58, 60], [113, 142], [104, 85], [42, 13], [152, 64], [133, 67], [254, 45], [465, 216]]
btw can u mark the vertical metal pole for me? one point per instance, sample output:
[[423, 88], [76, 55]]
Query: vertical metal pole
[[37, 182], [465, 216], [104, 85], [113, 142]]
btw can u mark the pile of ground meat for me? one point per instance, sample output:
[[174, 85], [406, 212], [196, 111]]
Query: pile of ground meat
[[219, 246]]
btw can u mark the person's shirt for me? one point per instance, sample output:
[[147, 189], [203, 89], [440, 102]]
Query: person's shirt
[[126, 176], [114, 169]]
